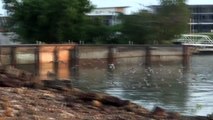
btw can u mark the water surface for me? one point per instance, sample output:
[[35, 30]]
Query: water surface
[[184, 89]]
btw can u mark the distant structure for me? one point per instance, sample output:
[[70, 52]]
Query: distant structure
[[201, 17], [109, 15], [5, 36]]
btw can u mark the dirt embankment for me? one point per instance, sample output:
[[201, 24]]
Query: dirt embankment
[[25, 98]]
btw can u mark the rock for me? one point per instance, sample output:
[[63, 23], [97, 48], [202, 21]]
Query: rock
[[173, 115], [88, 96], [63, 85], [132, 107], [66, 115], [8, 82], [18, 107], [111, 100], [157, 111], [194, 118], [104, 99], [49, 95], [96, 103]]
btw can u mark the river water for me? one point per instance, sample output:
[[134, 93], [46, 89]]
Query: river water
[[184, 89]]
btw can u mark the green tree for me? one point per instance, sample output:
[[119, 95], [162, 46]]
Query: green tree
[[99, 33], [96, 31], [168, 20], [141, 27], [50, 21], [174, 18]]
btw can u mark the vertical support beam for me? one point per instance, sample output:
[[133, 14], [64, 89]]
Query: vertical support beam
[[55, 61], [13, 56], [74, 56], [186, 55], [74, 62], [1, 56], [111, 59], [148, 56], [37, 60]]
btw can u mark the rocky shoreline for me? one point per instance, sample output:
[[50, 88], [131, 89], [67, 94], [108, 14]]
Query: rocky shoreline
[[23, 97]]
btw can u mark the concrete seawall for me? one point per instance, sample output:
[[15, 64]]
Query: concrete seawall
[[130, 54], [60, 58]]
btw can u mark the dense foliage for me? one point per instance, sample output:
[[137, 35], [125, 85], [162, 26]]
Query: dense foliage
[[160, 26], [140, 27], [174, 18], [50, 21], [58, 21]]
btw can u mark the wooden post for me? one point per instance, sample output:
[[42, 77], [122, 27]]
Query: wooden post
[[186, 55], [74, 62], [37, 60], [74, 57], [111, 59], [13, 56], [1, 56], [55, 61], [148, 56]]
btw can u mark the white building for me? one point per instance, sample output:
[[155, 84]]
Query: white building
[[109, 14]]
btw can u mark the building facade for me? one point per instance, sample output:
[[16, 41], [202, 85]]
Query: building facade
[[201, 18], [109, 15]]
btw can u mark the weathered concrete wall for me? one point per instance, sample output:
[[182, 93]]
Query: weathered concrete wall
[[93, 52], [61, 53], [129, 55], [166, 54], [61, 59]]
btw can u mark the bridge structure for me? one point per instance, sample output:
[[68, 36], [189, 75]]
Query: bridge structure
[[202, 43], [194, 40]]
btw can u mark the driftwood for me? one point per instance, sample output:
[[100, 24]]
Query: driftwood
[[13, 77], [17, 73], [63, 85]]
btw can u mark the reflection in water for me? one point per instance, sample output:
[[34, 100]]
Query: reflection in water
[[188, 91]]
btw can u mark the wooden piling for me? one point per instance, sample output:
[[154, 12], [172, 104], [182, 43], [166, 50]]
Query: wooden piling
[[111, 59], [186, 55], [148, 56], [55, 60], [74, 62], [37, 60], [13, 56]]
